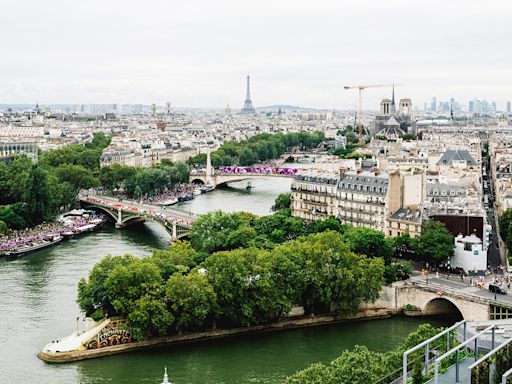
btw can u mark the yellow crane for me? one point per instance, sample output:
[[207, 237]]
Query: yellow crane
[[359, 116]]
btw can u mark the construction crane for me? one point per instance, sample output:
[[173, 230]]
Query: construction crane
[[359, 115]]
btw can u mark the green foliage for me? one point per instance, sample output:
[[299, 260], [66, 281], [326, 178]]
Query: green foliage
[[397, 271], [435, 244], [213, 231], [14, 215], [181, 256], [417, 373], [261, 147], [36, 196], [128, 283], [360, 365], [369, 242], [505, 222], [4, 229], [283, 201], [192, 299], [330, 224], [246, 286], [147, 181]]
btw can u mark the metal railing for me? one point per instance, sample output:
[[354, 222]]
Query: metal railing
[[456, 351], [426, 345], [505, 376], [488, 355]]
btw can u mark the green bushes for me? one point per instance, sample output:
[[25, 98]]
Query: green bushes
[[360, 365], [170, 292], [262, 147]]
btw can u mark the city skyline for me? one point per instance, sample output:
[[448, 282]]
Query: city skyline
[[197, 55]]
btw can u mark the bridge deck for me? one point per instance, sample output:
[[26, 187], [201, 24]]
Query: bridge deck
[[143, 210]]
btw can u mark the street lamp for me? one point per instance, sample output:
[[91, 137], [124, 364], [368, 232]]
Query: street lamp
[[448, 269], [427, 272]]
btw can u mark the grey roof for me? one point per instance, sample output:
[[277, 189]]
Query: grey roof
[[406, 214], [452, 155], [392, 122], [318, 178], [370, 184]]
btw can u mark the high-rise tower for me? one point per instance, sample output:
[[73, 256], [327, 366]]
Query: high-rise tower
[[248, 108]]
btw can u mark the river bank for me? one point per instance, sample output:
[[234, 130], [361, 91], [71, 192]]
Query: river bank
[[285, 324]]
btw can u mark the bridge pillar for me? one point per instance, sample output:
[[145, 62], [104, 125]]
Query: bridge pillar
[[174, 236], [119, 222], [209, 168]]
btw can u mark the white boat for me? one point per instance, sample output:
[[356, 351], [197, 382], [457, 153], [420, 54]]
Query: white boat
[[169, 201], [34, 246], [197, 191]]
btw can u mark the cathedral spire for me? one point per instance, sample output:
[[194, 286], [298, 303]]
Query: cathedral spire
[[393, 107]]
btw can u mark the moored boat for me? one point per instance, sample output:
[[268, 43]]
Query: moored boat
[[197, 191], [186, 197], [168, 202], [34, 246], [207, 188]]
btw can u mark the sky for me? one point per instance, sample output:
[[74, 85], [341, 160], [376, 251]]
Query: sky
[[196, 53]]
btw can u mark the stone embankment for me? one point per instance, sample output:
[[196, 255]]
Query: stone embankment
[[289, 323]]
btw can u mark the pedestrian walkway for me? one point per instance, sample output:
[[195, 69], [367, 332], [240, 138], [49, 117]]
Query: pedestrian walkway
[[449, 377]]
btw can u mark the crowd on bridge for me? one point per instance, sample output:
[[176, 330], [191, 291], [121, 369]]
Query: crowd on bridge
[[259, 169], [155, 213], [178, 191]]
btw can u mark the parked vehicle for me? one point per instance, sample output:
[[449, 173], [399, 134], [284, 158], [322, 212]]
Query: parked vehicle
[[497, 289]]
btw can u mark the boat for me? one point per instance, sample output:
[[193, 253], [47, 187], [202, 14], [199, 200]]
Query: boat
[[187, 197], [168, 202], [207, 188], [249, 186], [197, 191], [34, 246]]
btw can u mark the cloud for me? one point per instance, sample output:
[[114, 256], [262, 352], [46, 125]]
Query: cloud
[[197, 52]]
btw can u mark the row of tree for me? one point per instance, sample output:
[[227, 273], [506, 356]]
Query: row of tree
[[220, 231], [362, 366], [172, 290], [261, 147], [138, 182]]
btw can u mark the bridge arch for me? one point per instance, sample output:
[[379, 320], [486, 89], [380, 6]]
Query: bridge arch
[[109, 212], [443, 306], [197, 180]]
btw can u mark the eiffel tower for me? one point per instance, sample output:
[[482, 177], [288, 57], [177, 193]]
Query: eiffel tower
[[248, 108]]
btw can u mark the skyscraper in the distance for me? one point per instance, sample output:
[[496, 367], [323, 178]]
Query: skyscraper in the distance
[[508, 106], [248, 108], [433, 104]]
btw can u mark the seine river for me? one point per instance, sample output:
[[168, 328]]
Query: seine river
[[37, 305]]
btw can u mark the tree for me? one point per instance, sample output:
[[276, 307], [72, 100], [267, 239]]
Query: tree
[[330, 224], [247, 157], [37, 196], [127, 283], [333, 276], [192, 300], [14, 215], [283, 201], [92, 293], [180, 256], [505, 227], [149, 316], [369, 242], [4, 229], [435, 244], [213, 231], [77, 176]]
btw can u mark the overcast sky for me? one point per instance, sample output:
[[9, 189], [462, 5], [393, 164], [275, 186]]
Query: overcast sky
[[196, 53]]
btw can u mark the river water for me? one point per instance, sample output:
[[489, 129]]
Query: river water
[[37, 305]]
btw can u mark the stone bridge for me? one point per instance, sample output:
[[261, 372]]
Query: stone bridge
[[228, 174], [436, 299], [124, 213], [222, 178]]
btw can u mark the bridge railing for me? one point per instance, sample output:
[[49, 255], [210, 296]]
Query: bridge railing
[[441, 289], [152, 213]]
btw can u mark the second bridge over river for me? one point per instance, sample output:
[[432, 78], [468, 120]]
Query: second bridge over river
[[125, 212]]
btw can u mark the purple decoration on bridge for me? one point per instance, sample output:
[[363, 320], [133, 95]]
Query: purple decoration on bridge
[[235, 170]]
